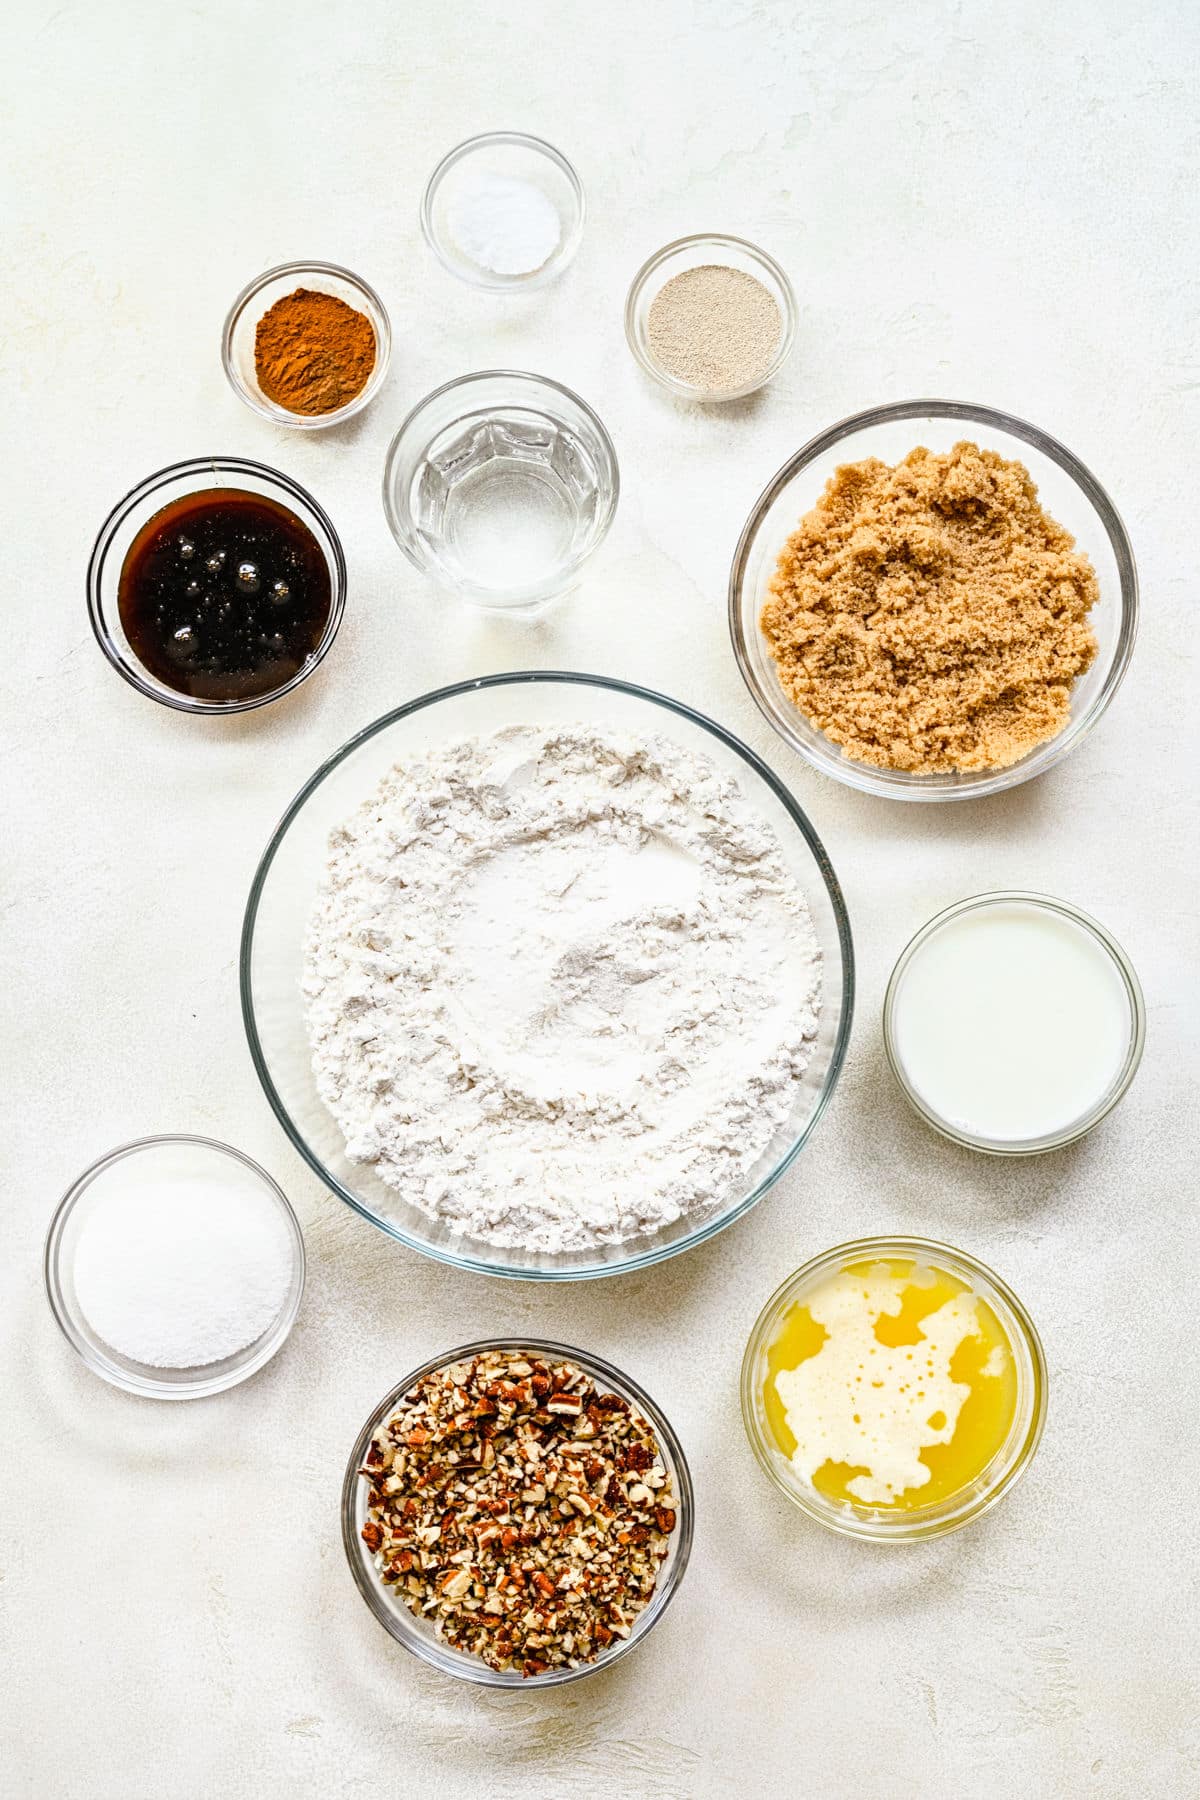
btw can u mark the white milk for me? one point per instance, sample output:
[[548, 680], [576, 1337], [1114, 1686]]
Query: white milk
[[1011, 1022]]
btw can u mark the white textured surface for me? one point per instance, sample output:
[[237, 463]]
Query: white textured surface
[[995, 203]]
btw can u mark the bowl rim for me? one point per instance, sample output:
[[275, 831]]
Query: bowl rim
[[654, 1253], [886, 783], [404, 539], [256, 1355], [269, 409], [685, 390], [941, 1517], [437, 1655], [132, 672], [463, 269], [1111, 1098]]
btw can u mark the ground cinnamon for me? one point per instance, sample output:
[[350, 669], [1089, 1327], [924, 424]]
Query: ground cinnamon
[[312, 352]]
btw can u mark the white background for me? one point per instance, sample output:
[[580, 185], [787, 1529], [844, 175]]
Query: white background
[[995, 203]]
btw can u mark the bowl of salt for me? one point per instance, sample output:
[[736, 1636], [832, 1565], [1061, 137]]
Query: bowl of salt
[[504, 212]]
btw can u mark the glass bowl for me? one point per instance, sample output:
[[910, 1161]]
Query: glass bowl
[[877, 1524], [1133, 1054], [514, 156], [285, 885], [418, 1636], [499, 486], [169, 1157], [691, 253], [237, 338], [1069, 493], [139, 506]]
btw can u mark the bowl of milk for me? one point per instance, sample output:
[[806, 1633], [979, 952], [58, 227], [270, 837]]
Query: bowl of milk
[[1014, 1023]]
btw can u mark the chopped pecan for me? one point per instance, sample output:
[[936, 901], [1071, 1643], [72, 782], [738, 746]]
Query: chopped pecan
[[518, 1512]]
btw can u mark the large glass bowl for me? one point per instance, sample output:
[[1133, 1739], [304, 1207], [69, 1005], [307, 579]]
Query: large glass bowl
[[1070, 494], [419, 1636], [285, 886]]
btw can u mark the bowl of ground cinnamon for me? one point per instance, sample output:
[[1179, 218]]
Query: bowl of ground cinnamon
[[307, 344], [933, 601]]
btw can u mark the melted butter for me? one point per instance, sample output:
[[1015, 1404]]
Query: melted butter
[[892, 1386]]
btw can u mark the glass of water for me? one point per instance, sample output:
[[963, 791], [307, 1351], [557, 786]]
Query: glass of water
[[499, 486]]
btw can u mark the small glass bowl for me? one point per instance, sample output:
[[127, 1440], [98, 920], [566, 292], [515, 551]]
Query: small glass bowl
[[878, 1524], [418, 1636], [237, 339], [1069, 492], [522, 158], [492, 460], [1107, 1101], [139, 506], [695, 252], [172, 1156], [285, 887]]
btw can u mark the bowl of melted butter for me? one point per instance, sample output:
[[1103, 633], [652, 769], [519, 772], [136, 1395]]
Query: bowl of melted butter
[[894, 1388]]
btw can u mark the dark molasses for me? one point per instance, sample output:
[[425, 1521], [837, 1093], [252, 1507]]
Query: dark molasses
[[224, 595]]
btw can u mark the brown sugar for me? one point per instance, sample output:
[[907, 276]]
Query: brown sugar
[[932, 617]]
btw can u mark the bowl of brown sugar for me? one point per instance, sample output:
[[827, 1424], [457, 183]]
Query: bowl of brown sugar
[[307, 345], [933, 601]]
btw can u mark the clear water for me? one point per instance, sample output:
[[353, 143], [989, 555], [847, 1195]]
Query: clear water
[[506, 502]]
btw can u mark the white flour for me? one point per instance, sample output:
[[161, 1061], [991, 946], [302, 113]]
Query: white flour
[[560, 986]]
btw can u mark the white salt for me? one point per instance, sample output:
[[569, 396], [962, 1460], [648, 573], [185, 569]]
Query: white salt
[[182, 1270], [503, 223]]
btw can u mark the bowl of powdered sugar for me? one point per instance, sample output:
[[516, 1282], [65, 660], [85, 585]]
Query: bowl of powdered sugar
[[547, 976]]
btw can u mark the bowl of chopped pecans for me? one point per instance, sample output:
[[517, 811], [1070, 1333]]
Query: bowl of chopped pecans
[[517, 1514]]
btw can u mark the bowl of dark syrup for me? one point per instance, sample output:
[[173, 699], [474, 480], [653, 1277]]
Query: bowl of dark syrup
[[216, 585]]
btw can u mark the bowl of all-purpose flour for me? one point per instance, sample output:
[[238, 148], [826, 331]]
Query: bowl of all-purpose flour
[[547, 975]]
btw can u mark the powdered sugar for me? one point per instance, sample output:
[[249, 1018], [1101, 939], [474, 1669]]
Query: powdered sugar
[[560, 986]]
